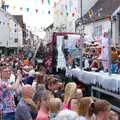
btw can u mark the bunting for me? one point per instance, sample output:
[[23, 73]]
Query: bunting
[[48, 2], [21, 8], [27, 9], [14, 7], [42, 1], [55, 4], [91, 14], [36, 10], [65, 12], [49, 12]]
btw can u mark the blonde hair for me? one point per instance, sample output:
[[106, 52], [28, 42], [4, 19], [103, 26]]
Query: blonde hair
[[113, 116], [55, 105], [70, 90], [84, 106]]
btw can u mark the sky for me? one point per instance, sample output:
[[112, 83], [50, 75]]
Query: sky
[[35, 20]]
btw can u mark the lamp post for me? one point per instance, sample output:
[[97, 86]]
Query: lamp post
[[81, 34]]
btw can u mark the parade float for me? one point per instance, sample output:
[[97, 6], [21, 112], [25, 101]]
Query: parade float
[[82, 61]]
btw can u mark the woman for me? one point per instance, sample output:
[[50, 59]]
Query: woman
[[70, 90], [55, 107], [86, 108], [7, 103]]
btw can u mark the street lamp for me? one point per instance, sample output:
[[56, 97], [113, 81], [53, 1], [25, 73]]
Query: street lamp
[[81, 34]]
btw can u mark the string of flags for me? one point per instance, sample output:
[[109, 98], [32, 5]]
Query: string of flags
[[14, 26], [49, 12], [38, 11]]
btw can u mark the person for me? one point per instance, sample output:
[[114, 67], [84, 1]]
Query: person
[[38, 79], [114, 57], [67, 115], [102, 109], [74, 104], [26, 109], [55, 107], [70, 90], [29, 80], [43, 113], [85, 108], [105, 51], [7, 103], [113, 116], [79, 94], [38, 94], [65, 46]]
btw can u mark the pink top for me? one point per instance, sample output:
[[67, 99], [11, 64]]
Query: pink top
[[66, 106], [42, 115]]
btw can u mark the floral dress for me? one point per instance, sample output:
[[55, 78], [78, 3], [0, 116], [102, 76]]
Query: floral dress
[[7, 103]]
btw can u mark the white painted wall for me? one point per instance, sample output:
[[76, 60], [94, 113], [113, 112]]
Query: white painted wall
[[106, 26], [7, 31], [4, 31], [89, 28]]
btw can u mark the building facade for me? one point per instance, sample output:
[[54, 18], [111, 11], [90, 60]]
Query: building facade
[[67, 11], [102, 17], [11, 32]]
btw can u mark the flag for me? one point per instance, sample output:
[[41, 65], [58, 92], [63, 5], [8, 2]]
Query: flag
[[27, 9], [36, 10], [21, 8], [42, 1], [91, 14], [48, 2]]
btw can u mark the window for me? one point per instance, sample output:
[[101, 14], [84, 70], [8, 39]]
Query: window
[[98, 30], [16, 40]]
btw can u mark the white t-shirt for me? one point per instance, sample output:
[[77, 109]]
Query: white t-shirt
[[82, 118]]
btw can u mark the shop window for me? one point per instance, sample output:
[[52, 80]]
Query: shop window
[[98, 30]]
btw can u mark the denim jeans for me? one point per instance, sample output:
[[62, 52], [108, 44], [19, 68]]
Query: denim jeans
[[8, 116]]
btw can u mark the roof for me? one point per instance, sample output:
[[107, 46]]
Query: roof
[[19, 19], [100, 10], [49, 27]]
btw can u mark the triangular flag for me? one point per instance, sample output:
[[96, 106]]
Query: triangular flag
[[36, 10], [67, 14], [48, 2], [61, 13], [73, 14], [55, 4], [14, 7], [27, 9], [75, 9], [42, 1], [49, 12], [66, 7], [21, 8], [55, 12], [91, 14]]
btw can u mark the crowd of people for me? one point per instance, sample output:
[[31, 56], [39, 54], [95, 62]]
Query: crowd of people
[[27, 93]]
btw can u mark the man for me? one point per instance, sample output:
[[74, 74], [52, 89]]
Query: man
[[26, 109]]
